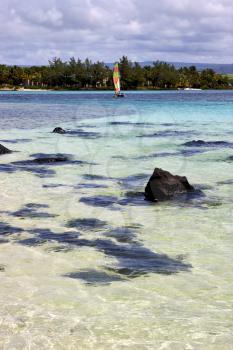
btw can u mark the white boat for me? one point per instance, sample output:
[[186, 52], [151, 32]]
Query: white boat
[[191, 89]]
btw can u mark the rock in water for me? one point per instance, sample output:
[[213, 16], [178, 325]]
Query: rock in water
[[4, 150], [201, 143], [47, 160], [195, 143], [59, 130], [163, 185]]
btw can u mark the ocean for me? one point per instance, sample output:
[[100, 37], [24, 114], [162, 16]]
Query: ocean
[[85, 261]]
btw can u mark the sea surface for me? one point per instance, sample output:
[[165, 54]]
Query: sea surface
[[85, 261]]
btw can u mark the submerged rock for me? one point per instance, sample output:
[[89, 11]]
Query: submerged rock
[[83, 134], [163, 185], [78, 132], [195, 143], [59, 130], [47, 160], [201, 143], [4, 150], [229, 159]]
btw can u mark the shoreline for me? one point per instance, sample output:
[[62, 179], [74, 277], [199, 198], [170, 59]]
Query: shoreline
[[23, 89], [108, 90]]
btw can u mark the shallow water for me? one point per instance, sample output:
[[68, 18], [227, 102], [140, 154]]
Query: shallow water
[[85, 262]]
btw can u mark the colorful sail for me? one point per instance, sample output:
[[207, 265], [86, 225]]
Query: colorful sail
[[116, 78]]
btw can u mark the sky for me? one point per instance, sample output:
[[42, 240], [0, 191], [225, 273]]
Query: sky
[[34, 31]]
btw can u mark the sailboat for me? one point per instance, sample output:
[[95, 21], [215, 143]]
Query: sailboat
[[116, 81]]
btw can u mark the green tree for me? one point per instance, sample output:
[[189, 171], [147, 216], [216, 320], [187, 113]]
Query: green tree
[[126, 73]]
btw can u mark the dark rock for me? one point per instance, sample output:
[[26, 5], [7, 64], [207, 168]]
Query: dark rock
[[38, 165], [47, 160], [59, 130], [195, 143], [4, 150], [201, 143], [163, 185], [51, 159]]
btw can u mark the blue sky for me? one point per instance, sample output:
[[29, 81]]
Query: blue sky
[[32, 31]]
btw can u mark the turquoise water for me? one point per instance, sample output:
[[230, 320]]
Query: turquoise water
[[85, 262]]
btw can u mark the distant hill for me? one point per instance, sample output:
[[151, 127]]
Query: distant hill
[[217, 67]]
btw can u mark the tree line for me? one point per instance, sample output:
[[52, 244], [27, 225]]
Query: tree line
[[78, 74]]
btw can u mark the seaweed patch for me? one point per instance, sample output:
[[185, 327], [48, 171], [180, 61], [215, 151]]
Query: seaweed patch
[[95, 277], [30, 210], [87, 224], [100, 201], [7, 229]]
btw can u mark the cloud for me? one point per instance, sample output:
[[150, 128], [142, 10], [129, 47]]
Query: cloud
[[31, 32]]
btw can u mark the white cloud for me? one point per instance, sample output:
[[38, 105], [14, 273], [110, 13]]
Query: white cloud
[[34, 31]]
